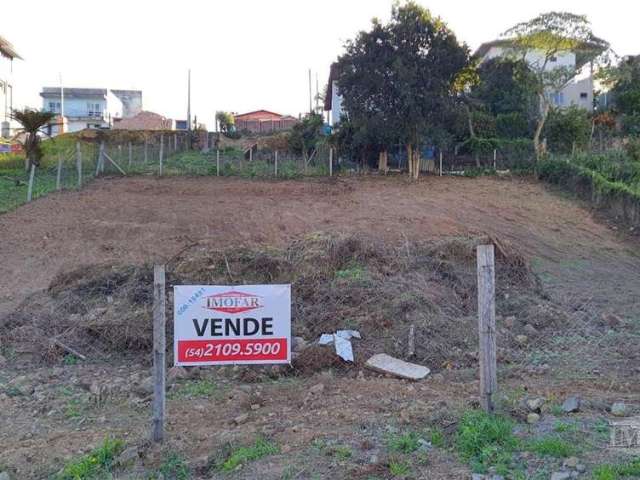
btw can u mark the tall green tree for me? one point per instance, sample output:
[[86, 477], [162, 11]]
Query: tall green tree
[[32, 122], [397, 79], [540, 42], [226, 121]]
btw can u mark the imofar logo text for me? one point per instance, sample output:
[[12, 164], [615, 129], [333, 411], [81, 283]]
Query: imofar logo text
[[233, 302]]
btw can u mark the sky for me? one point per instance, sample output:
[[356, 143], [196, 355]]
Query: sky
[[244, 55]]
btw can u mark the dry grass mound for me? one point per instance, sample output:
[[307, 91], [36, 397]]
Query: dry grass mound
[[338, 282]]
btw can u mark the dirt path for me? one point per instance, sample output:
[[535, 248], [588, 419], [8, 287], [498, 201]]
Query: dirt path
[[141, 219]]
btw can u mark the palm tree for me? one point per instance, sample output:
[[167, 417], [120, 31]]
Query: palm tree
[[32, 122]]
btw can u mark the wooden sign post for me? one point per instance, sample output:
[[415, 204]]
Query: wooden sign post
[[159, 349], [487, 326]]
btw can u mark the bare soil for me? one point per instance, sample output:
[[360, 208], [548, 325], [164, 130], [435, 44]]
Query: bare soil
[[588, 272]]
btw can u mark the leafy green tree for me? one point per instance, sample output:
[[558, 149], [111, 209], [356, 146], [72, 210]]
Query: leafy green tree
[[539, 41], [626, 86], [306, 135], [226, 121], [397, 79], [33, 123], [506, 85], [567, 127]]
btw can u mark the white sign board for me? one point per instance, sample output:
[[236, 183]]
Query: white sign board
[[221, 325]]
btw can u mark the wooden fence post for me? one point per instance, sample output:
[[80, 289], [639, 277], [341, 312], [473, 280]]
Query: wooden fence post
[[159, 349], [145, 150], [79, 163], [487, 326], [130, 154], [175, 142], [99, 166], [495, 159], [330, 162], [217, 162], [161, 152], [32, 174], [440, 162], [59, 173], [276, 164]]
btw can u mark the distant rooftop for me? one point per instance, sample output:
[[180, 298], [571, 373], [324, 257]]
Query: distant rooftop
[[73, 92], [8, 50]]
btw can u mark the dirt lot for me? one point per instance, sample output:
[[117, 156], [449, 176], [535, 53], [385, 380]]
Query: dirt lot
[[331, 423]]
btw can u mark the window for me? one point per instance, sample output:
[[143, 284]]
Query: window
[[553, 59], [584, 95], [557, 99], [94, 110], [54, 107]]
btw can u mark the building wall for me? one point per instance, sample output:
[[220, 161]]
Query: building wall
[[578, 92], [336, 105], [7, 126], [259, 115]]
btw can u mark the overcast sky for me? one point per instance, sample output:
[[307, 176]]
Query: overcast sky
[[244, 54]]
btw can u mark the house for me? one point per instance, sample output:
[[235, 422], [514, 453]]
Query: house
[[7, 55], [578, 91], [333, 99], [131, 102], [262, 121], [82, 108], [143, 121]]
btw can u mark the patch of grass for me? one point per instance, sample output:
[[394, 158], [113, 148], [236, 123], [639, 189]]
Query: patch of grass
[[194, 389], [556, 410], [95, 465], [174, 468], [564, 427], [405, 443], [552, 446], [353, 272], [70, 360], [399, 468], [243, 454], [617, 472], [485, 440], [73, 408], [341, 452], [437, 438]]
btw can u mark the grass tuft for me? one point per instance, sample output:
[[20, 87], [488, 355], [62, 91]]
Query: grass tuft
[[95, 465], [241, 455]]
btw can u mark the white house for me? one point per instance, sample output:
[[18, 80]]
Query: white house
[[578, 91], [333, 99], [7, 54], [83, 108]]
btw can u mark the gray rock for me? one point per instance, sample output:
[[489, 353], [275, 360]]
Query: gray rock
[[571, 462], [240, 419], [175, 373], [535, 404], [145, 387], [522, 339], [560, 475], [384, 363], [533, 418], [316, 389], [477, 476], [571, 404], [619, 409], [510, 321], [298, 344], [3, 361], [5, 476], [530, 329]]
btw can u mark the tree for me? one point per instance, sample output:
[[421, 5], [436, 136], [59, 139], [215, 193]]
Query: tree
[[397, 79], [32, 122], [226, 121], [539, 42], [506, 86], [306, 135], [624, 80]]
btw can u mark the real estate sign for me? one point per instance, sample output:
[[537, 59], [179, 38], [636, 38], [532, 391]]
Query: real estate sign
[[220, 325]]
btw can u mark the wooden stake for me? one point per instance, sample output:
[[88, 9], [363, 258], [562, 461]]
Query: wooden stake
[[130, 154], [79, 163], [440, 162], [59, 173], [411, 343], [99, 162], [32, 174], [217, 162], [145, 150], [487, 326], [495, 158], [331, 162], [276, 164], [175, 142], [159, 349], [161, 152], [113, 163]]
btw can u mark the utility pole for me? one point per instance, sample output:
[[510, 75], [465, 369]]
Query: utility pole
[[317, 94], [61, 106], [310, 94], [189, 101]]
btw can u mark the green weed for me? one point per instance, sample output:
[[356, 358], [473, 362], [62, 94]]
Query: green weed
[[486, 440], [174, 468], [617, 472], [194, 389], [95, 465], [552, 446], [241, 455], [405, 443], [399, 467]]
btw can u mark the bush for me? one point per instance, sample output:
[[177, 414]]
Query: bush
[[512, 125], [631, 124], [633, 149], [484, 124], [566, 127]]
